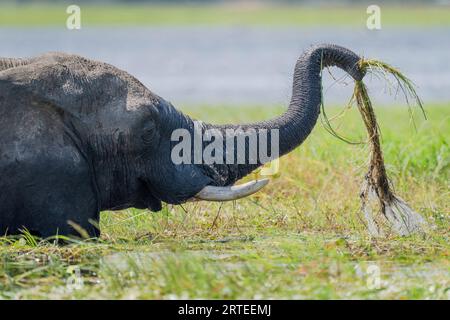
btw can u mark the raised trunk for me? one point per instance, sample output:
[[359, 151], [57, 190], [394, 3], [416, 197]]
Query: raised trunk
[[297, 122]]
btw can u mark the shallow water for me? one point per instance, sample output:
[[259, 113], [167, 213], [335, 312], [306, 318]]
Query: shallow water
[[394, 278], [242, 65]]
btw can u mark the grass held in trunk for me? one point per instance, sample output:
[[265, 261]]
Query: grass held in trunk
[[382, 209]]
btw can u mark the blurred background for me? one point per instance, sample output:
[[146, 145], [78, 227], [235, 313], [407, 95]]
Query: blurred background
[[238, 53]]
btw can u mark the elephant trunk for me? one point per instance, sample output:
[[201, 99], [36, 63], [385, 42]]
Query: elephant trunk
[[298, 121], [294, 126]]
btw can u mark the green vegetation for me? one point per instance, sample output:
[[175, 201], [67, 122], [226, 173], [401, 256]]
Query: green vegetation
[[301, 237], [45, 15]]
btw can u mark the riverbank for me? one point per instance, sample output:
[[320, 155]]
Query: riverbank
[[151, 15]]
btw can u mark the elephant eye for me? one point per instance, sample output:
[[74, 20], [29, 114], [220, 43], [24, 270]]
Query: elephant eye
[[149, 132]]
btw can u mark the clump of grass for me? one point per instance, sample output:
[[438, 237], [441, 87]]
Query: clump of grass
[[392, 212]]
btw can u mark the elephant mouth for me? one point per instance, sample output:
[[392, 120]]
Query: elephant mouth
[[208, 193], [213, 193]]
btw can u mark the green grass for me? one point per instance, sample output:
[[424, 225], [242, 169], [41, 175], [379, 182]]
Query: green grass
[[302, 237], [45, 15]]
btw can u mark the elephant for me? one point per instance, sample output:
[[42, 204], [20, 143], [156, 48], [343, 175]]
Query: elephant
[[80, 136]]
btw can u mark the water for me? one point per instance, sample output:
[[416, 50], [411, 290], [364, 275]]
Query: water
[[242, 65]]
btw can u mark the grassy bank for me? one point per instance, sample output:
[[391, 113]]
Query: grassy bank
[[224, 15], [301, 237]]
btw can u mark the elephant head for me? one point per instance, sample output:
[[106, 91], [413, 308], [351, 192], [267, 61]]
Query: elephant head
[[214, 181], [126, 133]]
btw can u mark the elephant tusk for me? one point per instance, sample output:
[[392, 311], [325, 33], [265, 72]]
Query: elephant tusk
[[211, 193]]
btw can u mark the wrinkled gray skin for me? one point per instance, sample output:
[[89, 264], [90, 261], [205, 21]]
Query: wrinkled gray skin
[[79, 136]]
